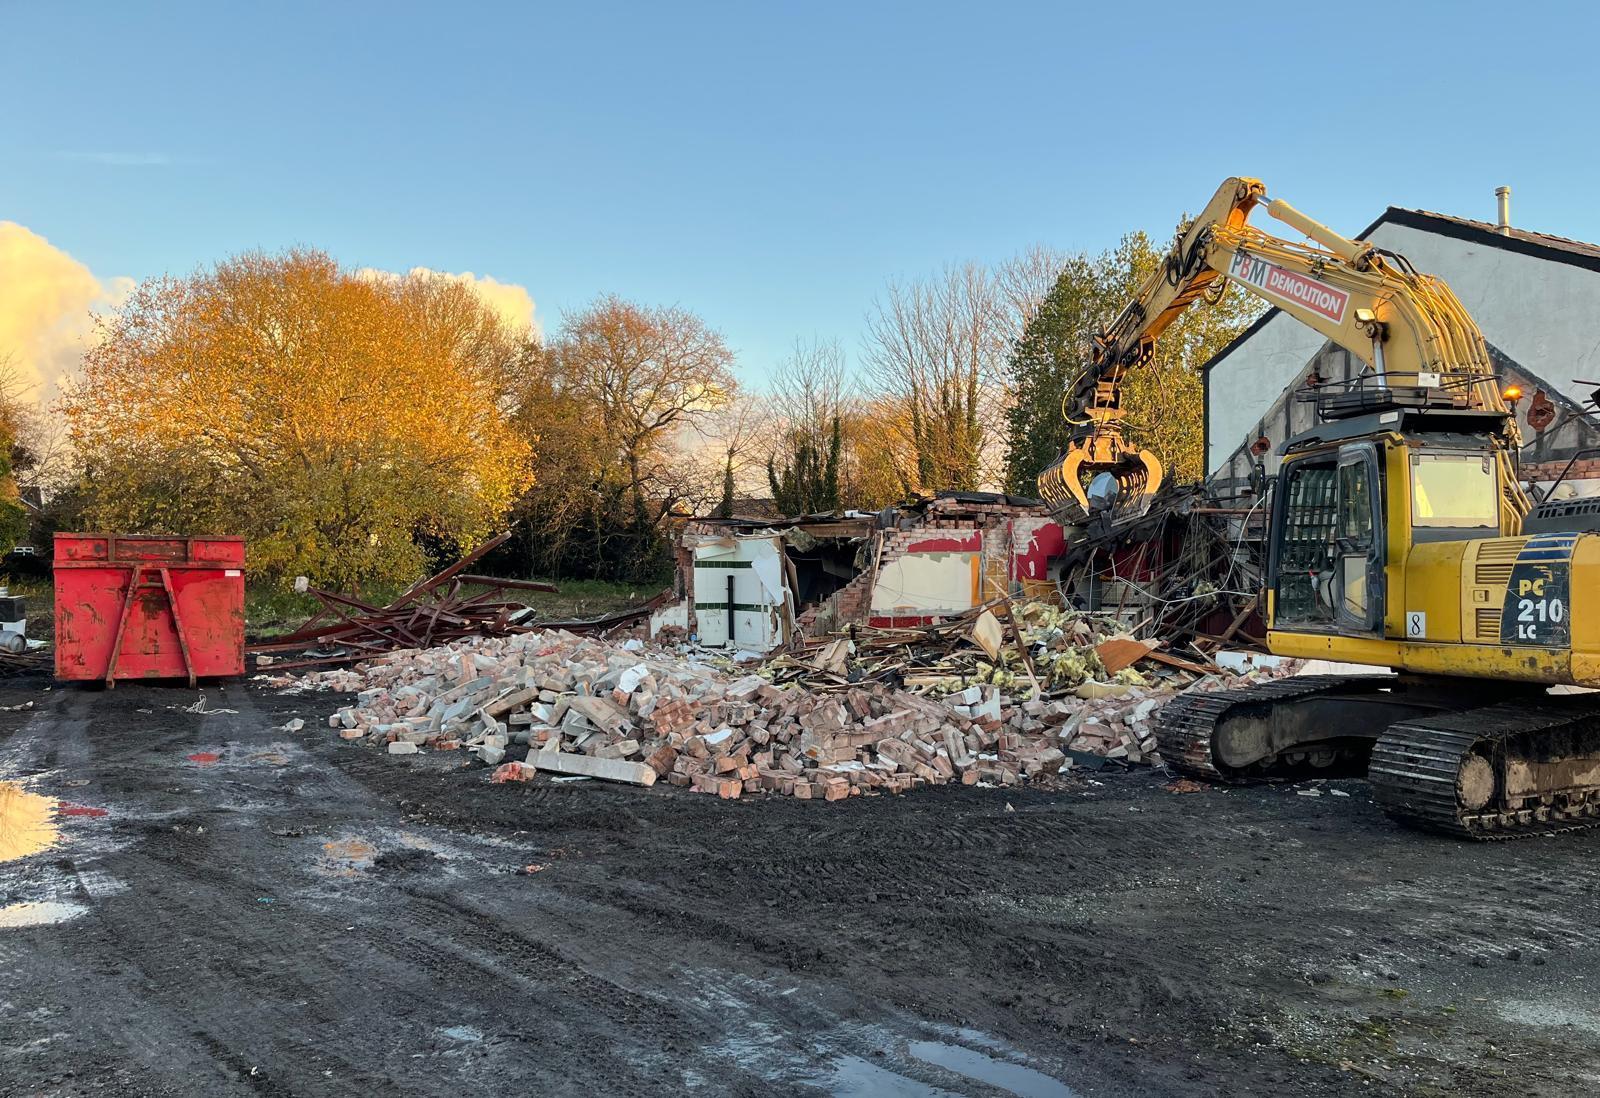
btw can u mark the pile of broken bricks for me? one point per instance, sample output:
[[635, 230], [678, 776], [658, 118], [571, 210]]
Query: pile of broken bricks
[[1057, 669], [619, 712], [623, 712]]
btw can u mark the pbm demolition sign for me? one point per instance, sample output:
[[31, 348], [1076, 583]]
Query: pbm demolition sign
[[1288, 286], [1538, 596]]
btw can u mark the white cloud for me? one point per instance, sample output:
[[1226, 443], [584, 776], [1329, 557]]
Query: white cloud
[[46, 298], [512, 302]]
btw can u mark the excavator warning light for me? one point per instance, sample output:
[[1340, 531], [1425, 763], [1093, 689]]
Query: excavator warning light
[[1512, 392]]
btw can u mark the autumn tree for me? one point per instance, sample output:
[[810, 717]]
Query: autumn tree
[[18, 421], [645, 372], [728, 447], [1164, 399], [623, 382], [565, 518], [878, 464], [936, 347], [932, 346], [333, 418]]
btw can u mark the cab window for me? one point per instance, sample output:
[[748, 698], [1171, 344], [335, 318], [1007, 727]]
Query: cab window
[[1355, 504], [1453, 491], [1309, 521]]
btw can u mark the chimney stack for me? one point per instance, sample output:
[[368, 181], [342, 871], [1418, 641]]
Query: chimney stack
[[1503, 200]]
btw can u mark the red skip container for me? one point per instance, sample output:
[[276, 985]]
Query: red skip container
[[148, 607]]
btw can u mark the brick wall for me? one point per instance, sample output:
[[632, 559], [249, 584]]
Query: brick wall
[[1546, 471]]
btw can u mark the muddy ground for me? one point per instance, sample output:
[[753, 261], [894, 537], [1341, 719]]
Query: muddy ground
[[279, 913]]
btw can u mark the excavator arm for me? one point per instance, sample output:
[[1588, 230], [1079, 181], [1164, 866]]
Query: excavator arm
[[1409, 329]]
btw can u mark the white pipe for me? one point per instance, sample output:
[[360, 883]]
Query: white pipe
[[1503, 200]]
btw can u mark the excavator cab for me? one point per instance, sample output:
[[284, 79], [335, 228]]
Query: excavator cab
[[1367, 510], [1328, 543]]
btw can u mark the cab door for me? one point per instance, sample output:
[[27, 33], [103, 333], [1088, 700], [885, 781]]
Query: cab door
[[1358, 544]]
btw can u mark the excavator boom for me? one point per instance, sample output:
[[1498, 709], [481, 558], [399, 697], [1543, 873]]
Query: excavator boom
[[1408, 328]]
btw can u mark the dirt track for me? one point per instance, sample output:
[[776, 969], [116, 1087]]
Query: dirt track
[[303, 917]]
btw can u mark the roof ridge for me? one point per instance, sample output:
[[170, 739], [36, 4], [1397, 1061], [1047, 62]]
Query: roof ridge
[[1531, 235]]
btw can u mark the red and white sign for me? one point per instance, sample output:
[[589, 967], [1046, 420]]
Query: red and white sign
[[1289, 287]]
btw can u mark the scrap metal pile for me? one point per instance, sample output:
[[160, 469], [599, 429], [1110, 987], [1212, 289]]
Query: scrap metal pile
[[1184, 568], [893, 711]]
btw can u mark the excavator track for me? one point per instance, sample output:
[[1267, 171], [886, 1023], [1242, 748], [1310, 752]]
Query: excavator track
[[1499, 772], [1186, 727]]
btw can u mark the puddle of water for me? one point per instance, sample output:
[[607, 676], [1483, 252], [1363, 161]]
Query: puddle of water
[[854, 1077], [1024, 1082], [27, 823], [39, 913], [346, 857], [462, 1033], [769, 1049]]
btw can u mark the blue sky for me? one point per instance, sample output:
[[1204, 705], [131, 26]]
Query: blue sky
[[767, 165]]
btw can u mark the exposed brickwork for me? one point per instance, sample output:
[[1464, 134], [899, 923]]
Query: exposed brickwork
[[1006, 535], [1014, 556], [1547, 471]]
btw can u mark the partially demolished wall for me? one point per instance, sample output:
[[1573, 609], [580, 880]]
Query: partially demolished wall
[[912, 566]]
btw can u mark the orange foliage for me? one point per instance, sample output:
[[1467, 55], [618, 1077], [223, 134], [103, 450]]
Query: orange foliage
[[328, 416]]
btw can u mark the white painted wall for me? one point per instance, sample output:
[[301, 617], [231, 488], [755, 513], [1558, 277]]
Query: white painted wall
[[760, 585], [1244, 385], [1543, 313], [927, 583]]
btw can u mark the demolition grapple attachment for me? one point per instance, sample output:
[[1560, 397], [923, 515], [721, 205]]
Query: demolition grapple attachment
[[1100, 471]]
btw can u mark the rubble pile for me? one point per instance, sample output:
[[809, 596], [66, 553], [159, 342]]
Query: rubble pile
[[1068, 671], [969, 700], [1060, 650], [620, 712]]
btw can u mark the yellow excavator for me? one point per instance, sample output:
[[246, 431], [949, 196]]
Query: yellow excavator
[[1400, 537]]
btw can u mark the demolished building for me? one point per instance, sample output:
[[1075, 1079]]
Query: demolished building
[[757, 583], [761, 584]]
